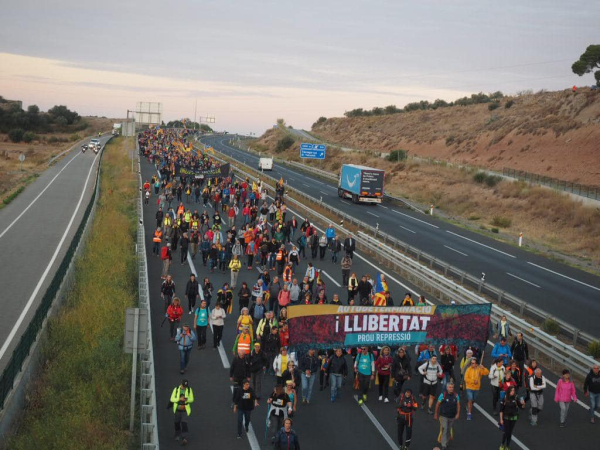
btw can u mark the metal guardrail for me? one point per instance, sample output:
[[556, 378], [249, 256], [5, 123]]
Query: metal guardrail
[[561, 185], [556, 351], [60, 280], [148, 415]]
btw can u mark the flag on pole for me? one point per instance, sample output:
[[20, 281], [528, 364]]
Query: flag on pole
[[381, 288]]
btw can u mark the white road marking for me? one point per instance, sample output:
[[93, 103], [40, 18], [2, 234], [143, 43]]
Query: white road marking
[[454, 250], [525, 281], [375, 422], [495, 422], [254, 445], [38, 196], [479, 243], [290, 178], [305, 184], [408, 229], [324, 193], [414, 218], [59, 247], [346, 202], [222, 353], [381, 206], [329, 276], [369, 212], [564, 276]]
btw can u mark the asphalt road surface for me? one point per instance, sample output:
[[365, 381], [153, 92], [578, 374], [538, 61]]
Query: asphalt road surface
[[562, 291], [35, 231], [321, 424]]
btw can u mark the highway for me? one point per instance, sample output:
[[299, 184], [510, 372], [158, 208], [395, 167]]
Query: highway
[[322, 424], [35, 231], [562, 291]]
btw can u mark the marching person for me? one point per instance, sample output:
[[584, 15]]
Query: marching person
[[432, 373], [472, 380], [185, 339], [217, 318], [537, 384], [591, 389], [244, 402], [364, 367], [192, 292], [174, 313], [564, 395], [286, 438], [509, 414], [406, 408], [447, 409], [181, 398]]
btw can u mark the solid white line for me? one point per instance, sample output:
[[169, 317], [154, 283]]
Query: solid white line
[[414, 218], [525, 281], [564, 276], [369, 212], [408, 229], [384, 433], [59, 247], [479, 243], [495, 422], [454, 250], [254, 445], [222, 353], [38, 196], [329, 276]]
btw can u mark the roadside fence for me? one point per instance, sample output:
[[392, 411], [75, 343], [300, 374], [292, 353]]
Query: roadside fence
[[582, 190]]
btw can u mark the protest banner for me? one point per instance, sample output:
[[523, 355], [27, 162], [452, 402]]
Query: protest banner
[[214, 172], [333, 326]]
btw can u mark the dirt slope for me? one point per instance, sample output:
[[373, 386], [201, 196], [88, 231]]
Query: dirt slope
[[555, 134]]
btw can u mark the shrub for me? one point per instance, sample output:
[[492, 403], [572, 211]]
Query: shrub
[[551, 326], [479, 177], [449, 140], [16, 135], [29, 136], [284, 143], [495, 230], [494, 105], [319, 121], [502, 222], [52, 139], [509, 104], [492, 180], [13, 195], [594, 349], [74, 137], [474, 217], [336, 166], [397, 155]]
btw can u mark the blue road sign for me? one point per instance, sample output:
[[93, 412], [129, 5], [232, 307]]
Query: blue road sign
[[312, 151]]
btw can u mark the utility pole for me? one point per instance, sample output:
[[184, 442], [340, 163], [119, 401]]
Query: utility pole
[[195, 109]]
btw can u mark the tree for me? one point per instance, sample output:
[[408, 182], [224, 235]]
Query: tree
[[33, 109], [16, 135], [319, 121], [588, 62], [62, 111]]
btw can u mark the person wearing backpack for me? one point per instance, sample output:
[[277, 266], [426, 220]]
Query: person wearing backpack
[[400, 371], [364, 367], [447, 410], [406, 408], [432, 373]]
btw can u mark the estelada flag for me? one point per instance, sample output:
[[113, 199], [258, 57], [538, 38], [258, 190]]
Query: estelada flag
[[381, 288], [281, 181]]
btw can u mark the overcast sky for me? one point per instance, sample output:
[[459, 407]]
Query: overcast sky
[[251, 62]]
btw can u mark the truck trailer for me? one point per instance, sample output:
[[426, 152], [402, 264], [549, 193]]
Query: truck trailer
[[361, 184]]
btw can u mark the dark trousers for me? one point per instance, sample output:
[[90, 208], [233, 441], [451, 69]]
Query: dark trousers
[[364, 381], [243, 415], [404, 423], [495, 397], [384, 384], [345, 277], [184, 253], [217, 335], [173, 327], [509, 426], [256, 379], [398, 388], [181, 426], [201, 335], [191, 302]]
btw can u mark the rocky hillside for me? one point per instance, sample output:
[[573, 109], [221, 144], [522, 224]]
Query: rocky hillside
[[555, 134]]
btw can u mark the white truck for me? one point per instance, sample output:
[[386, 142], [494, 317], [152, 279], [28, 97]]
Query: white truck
[[265, 164]]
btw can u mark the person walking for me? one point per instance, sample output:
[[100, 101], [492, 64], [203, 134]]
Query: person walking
[[591, 389], [167, 291], [239, 371], [337, 369], [174, 313], [166, 256], [217, 319], [472, 380], [502, 350], [383, 364], [400, 371], [258, 366], [181, 399], [286, 438], [364, 367], [192, 292], [234, 266], [309, 367], [201, 321], [432, 373], [509, 414], [185, 339], [520, 353], [350, 246], [496, 377], [280, 406], [447, 409], [244, 402], [184, 242], [537, 384], [404, 419], [564, 395]]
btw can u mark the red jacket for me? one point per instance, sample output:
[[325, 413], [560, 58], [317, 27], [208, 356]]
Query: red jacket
[[174, 313], [383, 364]]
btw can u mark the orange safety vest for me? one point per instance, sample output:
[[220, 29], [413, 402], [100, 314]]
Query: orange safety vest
[[157, 236], [279, 255], [244, 342], [180, 210], [287, 275]]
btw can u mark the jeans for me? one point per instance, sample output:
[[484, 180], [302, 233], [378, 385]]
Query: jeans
[[184, 357], [594, 403], [307, 386], [335, 380], [243, 415]]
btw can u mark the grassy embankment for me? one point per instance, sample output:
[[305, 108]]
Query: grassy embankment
[[81, 399], [552, 223]]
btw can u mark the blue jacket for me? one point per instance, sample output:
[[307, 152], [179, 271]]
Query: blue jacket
[[330, 233], [286, 441], [500, 349], [184, 341]]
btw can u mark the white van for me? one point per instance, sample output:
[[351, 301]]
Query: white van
[[265, 164]]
